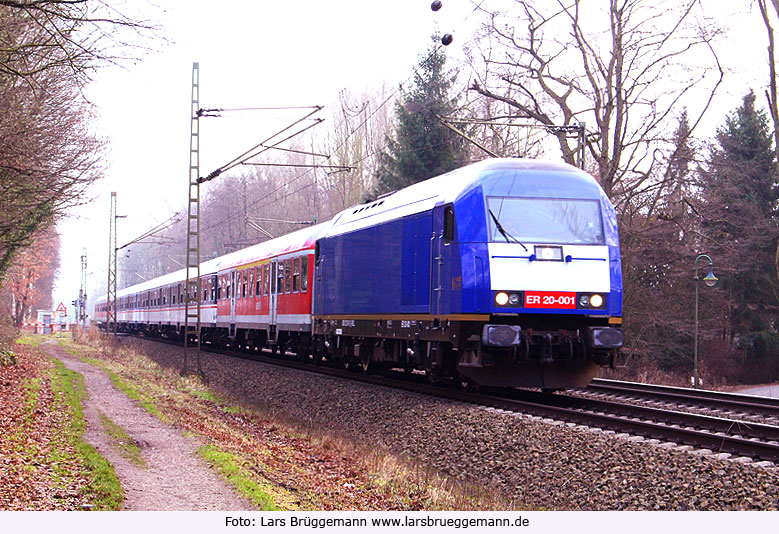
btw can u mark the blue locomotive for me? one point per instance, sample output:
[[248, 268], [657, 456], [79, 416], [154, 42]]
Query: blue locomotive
[[502, 273], [506, 272]]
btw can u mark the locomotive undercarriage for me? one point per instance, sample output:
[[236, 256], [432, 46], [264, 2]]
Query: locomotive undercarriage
[[463, 351]]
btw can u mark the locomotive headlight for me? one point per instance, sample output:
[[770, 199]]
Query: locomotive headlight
[[501, 299], [548, 253], [596, 301]]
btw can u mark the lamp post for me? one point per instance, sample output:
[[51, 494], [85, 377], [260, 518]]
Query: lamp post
[[710, 280]]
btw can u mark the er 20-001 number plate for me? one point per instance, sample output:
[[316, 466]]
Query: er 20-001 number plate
[[550, 299]]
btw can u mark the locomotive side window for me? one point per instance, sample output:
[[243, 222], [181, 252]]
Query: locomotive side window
[[295, 275], [448, 224], [304, 274]]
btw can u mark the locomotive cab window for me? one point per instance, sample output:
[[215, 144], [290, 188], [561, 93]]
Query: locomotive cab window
[[545, 220]]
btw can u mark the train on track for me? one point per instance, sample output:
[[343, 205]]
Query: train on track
[[501, 273]]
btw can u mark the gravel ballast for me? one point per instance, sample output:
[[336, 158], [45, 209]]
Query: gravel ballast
[[537, 463]]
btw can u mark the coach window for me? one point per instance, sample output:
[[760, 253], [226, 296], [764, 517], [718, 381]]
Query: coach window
[[244, 276], [295, 275], [251, 282], [304, 274], [266, 279], [288, 278], [258, 280]]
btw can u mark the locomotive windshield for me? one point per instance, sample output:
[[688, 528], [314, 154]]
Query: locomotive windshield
[[546, 220]]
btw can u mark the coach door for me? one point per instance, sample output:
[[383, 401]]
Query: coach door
[[233, 291], [273, 300]]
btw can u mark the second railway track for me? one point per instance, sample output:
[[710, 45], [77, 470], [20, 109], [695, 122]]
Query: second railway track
[[739, 438]]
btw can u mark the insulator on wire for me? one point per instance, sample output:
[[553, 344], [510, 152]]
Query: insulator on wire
[[447, 39], [435, 6]]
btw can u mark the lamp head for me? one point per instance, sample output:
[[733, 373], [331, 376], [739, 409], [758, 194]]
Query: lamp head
[[710, 279]]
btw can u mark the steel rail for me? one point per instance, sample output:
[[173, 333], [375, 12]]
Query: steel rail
[[711, 399]]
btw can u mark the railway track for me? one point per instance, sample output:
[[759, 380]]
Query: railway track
[[733, 403], [757, 441]]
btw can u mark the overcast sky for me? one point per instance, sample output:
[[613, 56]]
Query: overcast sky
[[263, 53]]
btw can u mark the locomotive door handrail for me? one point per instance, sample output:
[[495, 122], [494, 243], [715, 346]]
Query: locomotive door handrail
[[437, 260]]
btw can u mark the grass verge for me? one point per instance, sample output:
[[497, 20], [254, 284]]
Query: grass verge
[[234, 470], [122, 441]]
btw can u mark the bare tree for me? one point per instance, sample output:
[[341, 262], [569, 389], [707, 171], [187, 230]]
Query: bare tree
[[623, 71], [70, 36], [771, 93], [357, 135], [48, 156]]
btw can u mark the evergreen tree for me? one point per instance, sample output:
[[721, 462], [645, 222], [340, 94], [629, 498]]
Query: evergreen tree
[[422, 147], [741, 220]]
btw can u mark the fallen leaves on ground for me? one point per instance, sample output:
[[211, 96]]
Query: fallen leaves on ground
[[39, 469]]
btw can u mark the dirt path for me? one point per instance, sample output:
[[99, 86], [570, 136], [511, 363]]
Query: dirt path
[[174, 476]]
